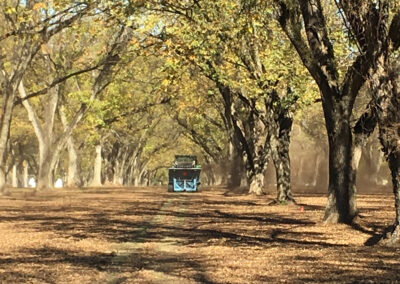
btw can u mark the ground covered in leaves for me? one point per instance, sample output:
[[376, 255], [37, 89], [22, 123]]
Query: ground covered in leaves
[[147, 235]]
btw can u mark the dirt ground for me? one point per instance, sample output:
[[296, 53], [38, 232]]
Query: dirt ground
[[147, 235]]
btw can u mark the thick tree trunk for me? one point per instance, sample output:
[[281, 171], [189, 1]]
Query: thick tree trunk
[[118, 176], [97, 168], [136, 181], [256, 179], [109, 170], [394, 166], [72, 177], [5, 121], [257, 155], [2, 181], [236, 166], [128, 174], [281, 159], [341, 206], [387, 96], [391, 236], [48, 159], [280, 143], [256, 173], [135, 171], [45, 175]]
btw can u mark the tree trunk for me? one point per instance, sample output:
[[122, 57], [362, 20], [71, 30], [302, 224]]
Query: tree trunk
[[394, 166], [376, 167], [387, 97], [135, 171], [2, 181], [317, 170], [72, 177], [280, 142], [97, 168], [118, 177], [25, 173], [256, 179], [357, 152], [281, 159], [340, 207], [258, 153], [391, 236], [136, 181], [5, 121], [236, 167], [14, 178], [256, 171], [45, 174]]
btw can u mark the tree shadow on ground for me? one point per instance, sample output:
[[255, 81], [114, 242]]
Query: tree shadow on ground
[[197, 222], [170, 264]]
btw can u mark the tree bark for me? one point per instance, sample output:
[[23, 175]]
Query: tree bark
[[281, 159], [2, 181], [236, 167], [73, 178], [387, 97], [255, 177], [97, 168], [5, 122], [391, 236], [256, 180], [258, 156], [25, 173], [280, 143], [46, 167], [118, 178], [394, 165], [340, 207], [14, 178]]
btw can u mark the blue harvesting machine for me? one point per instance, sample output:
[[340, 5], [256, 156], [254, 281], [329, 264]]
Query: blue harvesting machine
[[184, 175]]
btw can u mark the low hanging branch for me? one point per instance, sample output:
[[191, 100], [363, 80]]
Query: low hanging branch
[[55, 83], [140, 109]]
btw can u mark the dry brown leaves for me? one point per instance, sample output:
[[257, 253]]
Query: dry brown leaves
[[146, 235]]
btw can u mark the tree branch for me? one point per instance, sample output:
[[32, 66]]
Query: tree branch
[[54, 83]]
